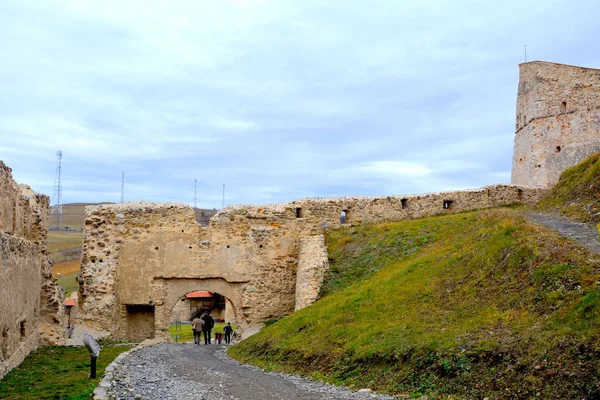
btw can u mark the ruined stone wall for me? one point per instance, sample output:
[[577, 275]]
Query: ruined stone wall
[[558, 121], [140, 259], [31, 304]]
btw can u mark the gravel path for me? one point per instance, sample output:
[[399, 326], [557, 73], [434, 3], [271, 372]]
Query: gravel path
[[584, 234], [187, 371]]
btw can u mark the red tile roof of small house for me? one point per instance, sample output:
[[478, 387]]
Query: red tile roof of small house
[[69, 302], [203, 294]]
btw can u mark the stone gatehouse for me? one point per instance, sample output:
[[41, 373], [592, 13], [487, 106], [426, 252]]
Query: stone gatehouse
[[140, 259]]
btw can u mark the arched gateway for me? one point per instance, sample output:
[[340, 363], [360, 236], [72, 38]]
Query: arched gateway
[[139, 259]]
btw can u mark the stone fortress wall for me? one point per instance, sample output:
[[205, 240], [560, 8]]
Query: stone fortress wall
[[140, 259], [31, 303], [558, 121]]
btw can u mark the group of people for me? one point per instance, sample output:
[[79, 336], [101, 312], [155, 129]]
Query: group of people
[[204, 326]]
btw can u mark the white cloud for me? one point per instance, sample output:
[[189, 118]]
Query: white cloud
[[392, 169], [278, 99]]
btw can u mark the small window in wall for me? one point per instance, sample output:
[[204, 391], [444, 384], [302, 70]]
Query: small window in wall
[[448, 204], [563, 107], [520, 194], [4, 342], [557, 149], [404, 203], [22, 329], [344, 217], [298, 212]]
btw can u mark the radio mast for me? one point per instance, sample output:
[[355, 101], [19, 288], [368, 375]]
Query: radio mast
[[57, 207], [122, 186], [195, 197]]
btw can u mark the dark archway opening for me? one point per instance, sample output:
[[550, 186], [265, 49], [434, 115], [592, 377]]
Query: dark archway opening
[[197, 304]]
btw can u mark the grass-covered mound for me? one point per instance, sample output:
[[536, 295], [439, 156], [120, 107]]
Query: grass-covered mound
[[577, 193], [471, 305]]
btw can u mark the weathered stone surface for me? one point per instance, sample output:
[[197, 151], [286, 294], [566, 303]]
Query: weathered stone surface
[[140, 259], [558, 121], [313, 263], [31, 303]]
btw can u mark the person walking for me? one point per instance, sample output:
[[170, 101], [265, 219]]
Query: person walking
[[209, 323], [228, 330], [197, 328]]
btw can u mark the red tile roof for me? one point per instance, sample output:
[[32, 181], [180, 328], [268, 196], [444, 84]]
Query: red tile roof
[[69, 302], [203, 294]]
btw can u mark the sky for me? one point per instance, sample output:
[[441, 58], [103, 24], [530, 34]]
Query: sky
[[278, 100]]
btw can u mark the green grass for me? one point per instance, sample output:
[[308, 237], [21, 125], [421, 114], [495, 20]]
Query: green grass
[[60, 240], [68, 283], [185, 334], [64, 245], [577, 194], [57, 373], [472, 304]]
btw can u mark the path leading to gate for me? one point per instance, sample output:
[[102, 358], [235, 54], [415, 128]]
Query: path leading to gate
[[585, 234], [187, 371]]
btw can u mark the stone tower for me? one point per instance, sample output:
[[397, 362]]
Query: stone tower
[[558, 121]]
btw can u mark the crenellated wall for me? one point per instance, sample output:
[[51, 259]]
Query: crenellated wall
[[140, 259], [558, 121], [31, 303]]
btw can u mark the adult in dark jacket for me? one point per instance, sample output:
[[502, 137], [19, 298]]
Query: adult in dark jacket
[[228, 330], [209, 323]]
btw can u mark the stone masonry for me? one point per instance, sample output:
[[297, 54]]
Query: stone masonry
[[140, 259], [558, 121], [31, 303]]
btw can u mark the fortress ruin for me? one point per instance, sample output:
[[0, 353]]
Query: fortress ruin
[[141, 259], [558, 121]]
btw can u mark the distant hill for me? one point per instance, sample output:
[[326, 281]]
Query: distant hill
[[72, 216], [203, 215]]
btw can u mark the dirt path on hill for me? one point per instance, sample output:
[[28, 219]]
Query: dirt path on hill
[[585, 234], [186, 371]]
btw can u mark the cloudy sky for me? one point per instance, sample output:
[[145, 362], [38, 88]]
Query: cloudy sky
[[279, 100]]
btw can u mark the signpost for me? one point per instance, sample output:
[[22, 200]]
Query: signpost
[[94, 349]]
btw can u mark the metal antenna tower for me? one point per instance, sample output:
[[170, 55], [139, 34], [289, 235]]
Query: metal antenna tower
[[195, 198], [122, 186], [57, 207], [223, 196], [525, 53]]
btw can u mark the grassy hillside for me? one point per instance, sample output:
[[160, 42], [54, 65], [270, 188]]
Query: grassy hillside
[[472, 305], [577, 194]]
